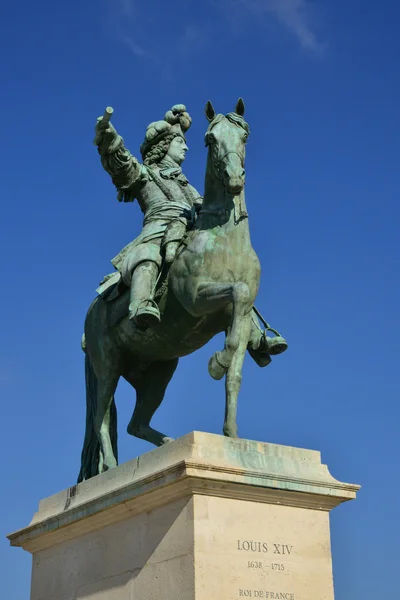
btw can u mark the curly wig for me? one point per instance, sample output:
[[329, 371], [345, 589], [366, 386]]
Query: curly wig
[[157, 152]]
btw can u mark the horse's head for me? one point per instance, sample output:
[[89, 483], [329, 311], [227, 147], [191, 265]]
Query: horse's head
[[226, 138]]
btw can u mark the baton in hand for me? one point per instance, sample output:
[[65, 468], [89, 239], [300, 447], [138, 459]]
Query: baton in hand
[[104, 119]]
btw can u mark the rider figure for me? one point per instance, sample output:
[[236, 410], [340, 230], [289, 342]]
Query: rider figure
[[169, 204], [165, 196]]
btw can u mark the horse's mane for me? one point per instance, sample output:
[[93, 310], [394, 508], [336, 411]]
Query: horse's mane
[[233, 118], [238, 120]]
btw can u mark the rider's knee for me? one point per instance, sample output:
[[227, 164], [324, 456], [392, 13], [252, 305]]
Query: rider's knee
[[140, 256], [147, 265], [170, 251]]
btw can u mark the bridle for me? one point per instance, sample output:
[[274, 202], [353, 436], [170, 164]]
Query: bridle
[[218, 162], [235, 120], [216, 165]]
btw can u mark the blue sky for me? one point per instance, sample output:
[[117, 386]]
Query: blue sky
[[321, 84]]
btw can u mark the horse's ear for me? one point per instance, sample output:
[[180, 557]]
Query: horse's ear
[[210, 112], [240, 107]]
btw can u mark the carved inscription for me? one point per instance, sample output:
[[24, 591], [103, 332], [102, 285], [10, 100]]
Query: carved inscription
[[255, 564], [267, 595], [265, 548]]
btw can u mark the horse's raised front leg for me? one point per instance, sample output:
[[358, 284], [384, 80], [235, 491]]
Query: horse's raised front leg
[[211, 297], [234, 378]]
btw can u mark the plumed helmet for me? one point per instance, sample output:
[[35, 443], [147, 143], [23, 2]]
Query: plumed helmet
[[176, 121]]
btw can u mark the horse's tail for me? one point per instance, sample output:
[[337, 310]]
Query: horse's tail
[[91, 456]]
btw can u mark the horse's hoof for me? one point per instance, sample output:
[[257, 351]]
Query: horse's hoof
[[231, 433], [107, 467], [167, 440], [145, 432], [216, 368]]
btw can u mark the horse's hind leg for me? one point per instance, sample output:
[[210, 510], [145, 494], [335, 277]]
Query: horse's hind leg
[[106, 387], [234, 378], [150, 389]]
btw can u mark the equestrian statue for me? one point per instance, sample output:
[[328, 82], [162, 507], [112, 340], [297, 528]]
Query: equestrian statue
[[191, 273]]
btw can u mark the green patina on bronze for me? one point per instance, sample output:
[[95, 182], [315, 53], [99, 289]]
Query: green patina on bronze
[[191, 274]]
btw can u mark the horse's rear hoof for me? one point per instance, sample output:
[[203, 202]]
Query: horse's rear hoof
[[231, 433], [167, 440], [215, 367]]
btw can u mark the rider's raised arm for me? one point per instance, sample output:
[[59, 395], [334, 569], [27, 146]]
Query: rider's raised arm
[[125, 169]]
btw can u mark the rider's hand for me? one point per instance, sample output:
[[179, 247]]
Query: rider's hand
[[105, 131]]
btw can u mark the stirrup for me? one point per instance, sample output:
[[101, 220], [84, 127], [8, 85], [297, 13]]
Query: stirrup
[[275, 345]]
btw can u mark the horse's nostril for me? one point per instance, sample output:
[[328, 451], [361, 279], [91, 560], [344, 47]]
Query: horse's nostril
[[229, 175]]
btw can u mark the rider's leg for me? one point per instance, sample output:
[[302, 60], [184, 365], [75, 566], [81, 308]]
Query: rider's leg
[[261, 347], [142, 309], [172, 239], [258, 345], [256, 333], [171, 249]]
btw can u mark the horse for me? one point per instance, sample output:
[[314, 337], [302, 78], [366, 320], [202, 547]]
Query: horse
[[211, 288]]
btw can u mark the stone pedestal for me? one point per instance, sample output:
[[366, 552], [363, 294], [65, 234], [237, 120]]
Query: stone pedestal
[[203, 518]]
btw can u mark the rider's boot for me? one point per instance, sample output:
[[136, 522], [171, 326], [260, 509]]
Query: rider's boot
[[261, 347], [258, 351], [143, 311]]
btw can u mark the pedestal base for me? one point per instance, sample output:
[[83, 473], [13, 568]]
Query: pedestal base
[[203, 517]]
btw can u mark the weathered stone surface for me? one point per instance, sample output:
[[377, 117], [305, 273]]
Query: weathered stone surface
[[202, 517]]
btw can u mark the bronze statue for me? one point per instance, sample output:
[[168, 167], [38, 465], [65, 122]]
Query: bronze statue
[[191, 274]]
